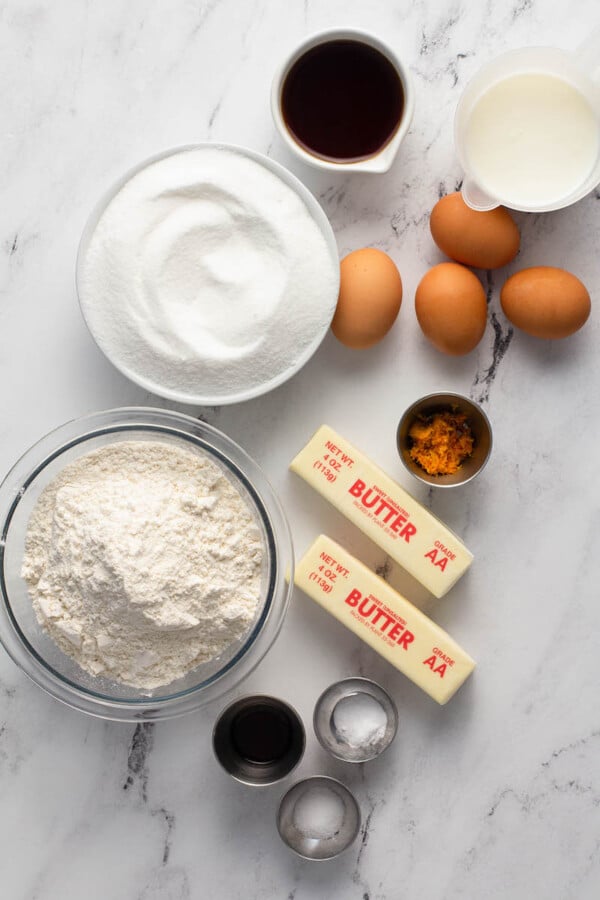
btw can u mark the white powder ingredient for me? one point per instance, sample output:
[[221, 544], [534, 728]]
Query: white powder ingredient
[[319, 813], [359, 721], [143, 561], [207, 275]]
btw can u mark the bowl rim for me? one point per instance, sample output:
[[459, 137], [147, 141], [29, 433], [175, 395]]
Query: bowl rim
[[230, 456], [317, 214]]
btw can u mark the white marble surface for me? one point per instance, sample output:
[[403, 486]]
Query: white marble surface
[[496, 795]]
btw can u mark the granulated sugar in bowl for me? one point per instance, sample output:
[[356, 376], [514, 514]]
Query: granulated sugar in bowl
[[142, 564], [208, 275]]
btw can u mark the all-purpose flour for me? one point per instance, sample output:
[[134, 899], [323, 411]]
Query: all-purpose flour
[[143, 561], [207, 275]]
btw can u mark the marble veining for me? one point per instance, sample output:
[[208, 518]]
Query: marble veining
[[137, 759], [496, 795], [503, 335]]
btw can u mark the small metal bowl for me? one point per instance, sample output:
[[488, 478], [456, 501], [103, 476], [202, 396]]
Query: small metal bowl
[[318, 818], [329, 735], [478, 422], [259, 771]]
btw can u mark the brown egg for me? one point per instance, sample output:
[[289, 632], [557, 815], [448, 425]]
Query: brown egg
[[369, 299], [485, 240], [451, 308], [545, 302]]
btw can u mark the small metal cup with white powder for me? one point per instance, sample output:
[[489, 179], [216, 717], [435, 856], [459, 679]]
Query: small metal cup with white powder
[[355, 720], [318, 818]]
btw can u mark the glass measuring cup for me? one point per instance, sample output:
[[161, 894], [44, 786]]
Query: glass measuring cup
[[577, 76]]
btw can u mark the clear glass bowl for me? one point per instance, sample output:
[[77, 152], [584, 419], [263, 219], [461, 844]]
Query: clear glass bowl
[[37, 654]]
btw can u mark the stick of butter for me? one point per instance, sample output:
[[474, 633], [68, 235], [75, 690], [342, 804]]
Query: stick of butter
[[409, 533], [383, 618]]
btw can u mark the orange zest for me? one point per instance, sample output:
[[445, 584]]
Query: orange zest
[[441, 442]]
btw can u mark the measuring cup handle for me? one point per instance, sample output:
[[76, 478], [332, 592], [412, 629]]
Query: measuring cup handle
[[587, 55], [476, 198]]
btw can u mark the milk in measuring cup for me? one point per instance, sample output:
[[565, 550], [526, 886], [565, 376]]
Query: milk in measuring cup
[[532, 139]]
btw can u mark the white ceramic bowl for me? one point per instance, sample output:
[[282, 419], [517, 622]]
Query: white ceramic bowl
[[379, 162], [225, 396]]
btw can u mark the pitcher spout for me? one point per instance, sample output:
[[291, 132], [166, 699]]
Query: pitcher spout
[[476, 198]]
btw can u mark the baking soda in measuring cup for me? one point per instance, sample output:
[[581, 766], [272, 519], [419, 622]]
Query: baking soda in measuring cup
[[527, 130]]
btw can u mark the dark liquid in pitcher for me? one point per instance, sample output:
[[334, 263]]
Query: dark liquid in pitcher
[[342, 101], [261, 734]]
